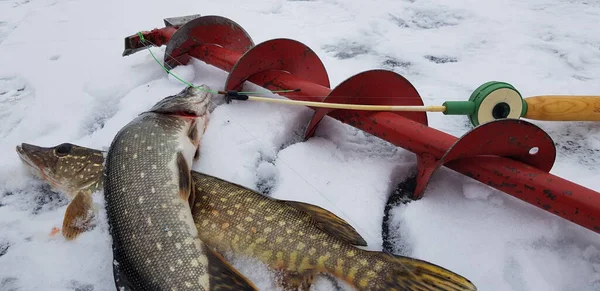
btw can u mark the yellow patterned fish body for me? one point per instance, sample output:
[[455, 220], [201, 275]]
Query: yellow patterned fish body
[[300, 240]]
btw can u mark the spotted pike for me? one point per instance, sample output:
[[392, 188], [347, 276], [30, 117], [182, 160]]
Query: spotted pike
[[78, 172], [72, 170], [299, 240], [147, 186]]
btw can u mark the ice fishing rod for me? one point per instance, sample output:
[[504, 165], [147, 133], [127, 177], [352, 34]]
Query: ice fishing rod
[[490, 101]]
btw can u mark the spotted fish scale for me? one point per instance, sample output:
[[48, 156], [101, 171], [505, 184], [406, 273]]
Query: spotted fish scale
[[147, 187], [152, 213], [300, 240]]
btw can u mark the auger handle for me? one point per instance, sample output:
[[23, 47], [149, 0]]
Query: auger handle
[[563, 108]]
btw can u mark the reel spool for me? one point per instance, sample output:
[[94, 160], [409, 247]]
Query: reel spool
[[490, 101], [496, 100]]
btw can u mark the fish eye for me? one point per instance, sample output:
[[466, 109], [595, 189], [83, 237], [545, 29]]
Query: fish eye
[[63, 149]]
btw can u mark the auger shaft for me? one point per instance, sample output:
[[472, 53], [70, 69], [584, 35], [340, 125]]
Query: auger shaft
[[497, 157], [219, 57], [540, 188]]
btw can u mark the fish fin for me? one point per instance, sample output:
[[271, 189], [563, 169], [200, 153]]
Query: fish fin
[[197, 154], [192, 197], [185, 178], [194, 137], [54, 231], [193, 132], [407, 273], [330, 223], [292, 281], [223, 276], [78, 217]]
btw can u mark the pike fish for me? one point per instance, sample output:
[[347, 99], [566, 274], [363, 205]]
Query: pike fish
[[78, 172], [148, 189], [298, 240], [72, 170]]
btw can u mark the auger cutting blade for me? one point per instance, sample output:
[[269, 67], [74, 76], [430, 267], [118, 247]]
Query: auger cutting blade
[[132, 45], [156, 37], [180, 20]]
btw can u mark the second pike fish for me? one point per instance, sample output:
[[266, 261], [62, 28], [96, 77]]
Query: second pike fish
[[299, 240], [148, 189], [71, 170]]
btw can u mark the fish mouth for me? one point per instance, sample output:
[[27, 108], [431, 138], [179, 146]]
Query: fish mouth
[[25, 156], [29, 154], [35, 164], [191, 102], [199, 99]]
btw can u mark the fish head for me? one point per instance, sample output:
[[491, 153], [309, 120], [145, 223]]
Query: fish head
[[66, 166], [193, 101]]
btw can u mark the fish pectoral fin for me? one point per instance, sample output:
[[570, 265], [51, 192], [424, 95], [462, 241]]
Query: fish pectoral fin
[[197, 154], [192, 198], [330, 223], [185, 177], [293, 281], [79, 216], [192, 133], [194, 136], [223, 276]]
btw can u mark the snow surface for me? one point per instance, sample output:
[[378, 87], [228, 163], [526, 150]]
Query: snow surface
[[62, 79]]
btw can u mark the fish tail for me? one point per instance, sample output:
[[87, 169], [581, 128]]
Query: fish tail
[[404, 273]]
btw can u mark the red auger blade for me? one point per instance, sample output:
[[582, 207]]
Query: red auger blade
[[511, 155]]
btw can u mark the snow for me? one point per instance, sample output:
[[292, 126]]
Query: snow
[[62, 79]]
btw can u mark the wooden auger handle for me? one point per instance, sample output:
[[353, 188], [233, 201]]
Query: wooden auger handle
[[563, 108]]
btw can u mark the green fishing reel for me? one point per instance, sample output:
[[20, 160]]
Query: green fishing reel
[[490, 101]]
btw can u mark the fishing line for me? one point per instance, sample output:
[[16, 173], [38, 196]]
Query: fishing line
[[148, 43]]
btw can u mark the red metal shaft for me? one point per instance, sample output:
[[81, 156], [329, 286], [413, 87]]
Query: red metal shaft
[[221, 58], [544, 190], [280, 80], [556, 195], [415, 137]]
